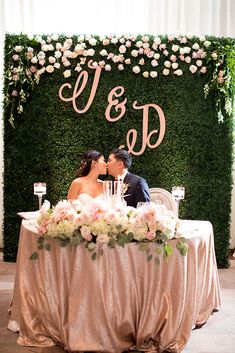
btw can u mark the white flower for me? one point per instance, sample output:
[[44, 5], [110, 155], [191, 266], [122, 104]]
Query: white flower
[[214, 56], [120, 67], [122, 49], [30, 36], [182, 51], [50, 47], [154, 63], [187, 50], [52, 60], [92, 41], [153, 74], [30, 50], [175, 65], [141, 61], [58, 54], [81, 38], [195, 46], [145, 39], [122, 40], [171, 37], [128, 61], [178, 72], [189, 35], [106, 41], [146, 74], [166, 72], [145, 45], [175, 47], [165, 52], [156, 56], [203, 70], [18, 48], [34, 60], [57, 65], [102, 238], [167, 64], [134, 53], [103, 52], [199, 63], [154, 46], [193, 68], [202, 38], [187, 59], [90, 52], [139, 44], [38, 38], [157, 40], [107, 67], [50, 69], [55, 37], [207, 43], [58, 46], [67, 73], [136, 69], [114, 40]]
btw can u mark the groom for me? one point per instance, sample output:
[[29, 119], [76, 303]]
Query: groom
[[119, 162]]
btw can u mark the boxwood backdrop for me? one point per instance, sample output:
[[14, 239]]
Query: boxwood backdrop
[[49, 137]]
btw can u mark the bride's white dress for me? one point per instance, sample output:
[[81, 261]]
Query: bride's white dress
[[86, 198]]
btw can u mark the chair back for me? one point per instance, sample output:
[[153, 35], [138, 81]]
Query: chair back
[[164, 197]]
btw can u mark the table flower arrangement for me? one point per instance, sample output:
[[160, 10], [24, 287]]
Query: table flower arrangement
[[95, 223]]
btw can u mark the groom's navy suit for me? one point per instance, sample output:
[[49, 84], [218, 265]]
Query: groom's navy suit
[[137, 190]]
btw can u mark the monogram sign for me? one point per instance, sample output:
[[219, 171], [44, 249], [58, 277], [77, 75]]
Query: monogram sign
[[116, 109]]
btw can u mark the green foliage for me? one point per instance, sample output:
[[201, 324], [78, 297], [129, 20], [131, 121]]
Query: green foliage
[[49, 138]]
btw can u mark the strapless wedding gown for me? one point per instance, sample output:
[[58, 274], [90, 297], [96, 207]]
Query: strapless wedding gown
[[86, 198]]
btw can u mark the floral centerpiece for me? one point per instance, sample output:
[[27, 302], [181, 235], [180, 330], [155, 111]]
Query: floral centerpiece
[[95, 224]]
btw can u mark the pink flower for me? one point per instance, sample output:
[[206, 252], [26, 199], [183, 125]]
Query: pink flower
[[14, 93], [15, 57], [150, 235], [182, 57], [173, 58], [86, 233]]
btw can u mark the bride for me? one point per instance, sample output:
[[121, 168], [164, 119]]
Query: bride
[[87, 183]]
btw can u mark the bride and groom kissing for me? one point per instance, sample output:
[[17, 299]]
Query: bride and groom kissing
[[93, 164]]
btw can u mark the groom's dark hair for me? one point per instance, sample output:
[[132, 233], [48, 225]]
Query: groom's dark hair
[[122, 155]]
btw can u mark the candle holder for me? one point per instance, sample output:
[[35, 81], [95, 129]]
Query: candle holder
[[40, 189], [108, 190], [178, 193]]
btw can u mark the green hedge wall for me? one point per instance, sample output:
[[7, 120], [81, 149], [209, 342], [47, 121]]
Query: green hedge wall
[[49, 137]]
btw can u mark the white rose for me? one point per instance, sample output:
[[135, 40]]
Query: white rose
[[167, 64], [139, 44], [203, 70], [166, 72], [195, 46], [114, 40], [153, 74], [88, 37], [18, 48], [171, 37], [30, 50], [122, 40], [67, 73], [214, 56], [193, 68], [81, 38], [122, 49], [157, 40], [50, 47], [154, 63], [120, 67], [187, 59], [202, 38], [30, 36], [58, 46], [57, 65], [154, 46], [50, 68], [145, 39], [199, 63], [55, 37], [203, 54], [178, 72], [175, 65], [156, 56], [141, 61], [58, 54], [189, 35], [90, 52], [38, 38], [34, 60], [92, 41], [207, 43], [136, 69], [145, 45], [187, 50], [52, 60], [146, 74], [107, 67], [175, 47], [134, 53], [103, 52], [102, 238], [102, 63], [182, 51]]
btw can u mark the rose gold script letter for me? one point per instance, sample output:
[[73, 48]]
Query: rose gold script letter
[[121, 106], [83, 77], [145, 136]]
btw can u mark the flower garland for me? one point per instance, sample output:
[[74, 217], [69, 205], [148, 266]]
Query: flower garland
[[148, 56], [96, 223]]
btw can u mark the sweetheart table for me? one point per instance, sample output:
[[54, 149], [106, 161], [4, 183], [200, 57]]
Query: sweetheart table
[[117, 302]]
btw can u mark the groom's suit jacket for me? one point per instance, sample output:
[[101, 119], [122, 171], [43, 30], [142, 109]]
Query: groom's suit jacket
[[137, 191]]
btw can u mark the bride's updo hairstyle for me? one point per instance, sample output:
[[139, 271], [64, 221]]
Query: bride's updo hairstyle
[[85, 165]]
